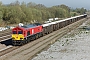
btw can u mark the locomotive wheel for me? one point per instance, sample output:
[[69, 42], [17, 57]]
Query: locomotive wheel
[[31, 38], [23, 42], [36, 36], [26, 41], [39, 35], [20, 43], [14, 43]]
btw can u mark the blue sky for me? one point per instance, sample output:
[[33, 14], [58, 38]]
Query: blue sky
[[49, 3]]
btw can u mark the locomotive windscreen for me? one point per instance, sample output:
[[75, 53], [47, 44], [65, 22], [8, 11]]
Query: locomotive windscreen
[[20, 32], [14, 32], [17, 32]]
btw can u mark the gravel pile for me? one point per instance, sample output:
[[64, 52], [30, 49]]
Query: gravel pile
[[73, 46]]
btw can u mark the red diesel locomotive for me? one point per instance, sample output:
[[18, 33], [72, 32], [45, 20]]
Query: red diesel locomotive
[[22, 35]]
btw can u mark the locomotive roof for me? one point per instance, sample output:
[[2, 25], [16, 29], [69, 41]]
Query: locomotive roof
[[29, 26]]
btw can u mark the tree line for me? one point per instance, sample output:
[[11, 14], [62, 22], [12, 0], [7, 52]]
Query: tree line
[[17, 12]]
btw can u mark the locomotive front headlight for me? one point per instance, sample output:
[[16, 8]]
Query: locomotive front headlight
[[21, 38]]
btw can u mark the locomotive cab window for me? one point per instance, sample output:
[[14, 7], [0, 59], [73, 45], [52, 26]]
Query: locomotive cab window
[[20, 32], [14, 32]]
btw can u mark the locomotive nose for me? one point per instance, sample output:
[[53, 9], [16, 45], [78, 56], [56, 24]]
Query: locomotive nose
[[17, 37]]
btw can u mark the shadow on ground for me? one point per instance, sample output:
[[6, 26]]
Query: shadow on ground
[[7, 42]]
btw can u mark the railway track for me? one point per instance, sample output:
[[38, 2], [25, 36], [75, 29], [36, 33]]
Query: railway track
[[29, 50], [7, 49], [5, 35], [5, 31]]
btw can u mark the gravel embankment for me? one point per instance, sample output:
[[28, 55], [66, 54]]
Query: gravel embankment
[[73, 46]]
